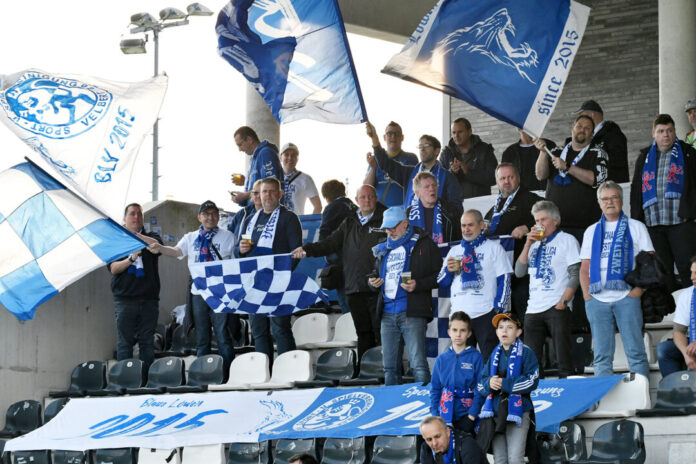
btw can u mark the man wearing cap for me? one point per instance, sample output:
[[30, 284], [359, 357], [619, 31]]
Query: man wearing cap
[[389, 191], [208, 243], [264, 161], [478, 273], [298, 186], [407, 266], [443, 445], [274, 230], [432, 214], [608, 135], [691, 114], [663, 196]]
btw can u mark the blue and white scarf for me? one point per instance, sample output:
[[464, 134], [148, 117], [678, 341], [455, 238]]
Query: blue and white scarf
[[137, 268], [562, 177], [495, 219], [692, 317], [514, 368], [416, 217], [620, 256], [440, 174], [675, 178], [538, 260], [450, 457], [203, 244], [364, 219], [381, 250], [265, 243], [469, 261]]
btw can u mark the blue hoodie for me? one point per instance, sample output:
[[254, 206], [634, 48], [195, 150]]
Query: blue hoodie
[[467, 367], [525, 384], [264, 163]]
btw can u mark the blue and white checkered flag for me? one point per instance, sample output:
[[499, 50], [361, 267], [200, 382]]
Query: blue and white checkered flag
[[50, 238], [257, 285]]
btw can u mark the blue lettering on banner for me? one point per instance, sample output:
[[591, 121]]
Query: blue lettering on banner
[[117, 144], [561, 62]]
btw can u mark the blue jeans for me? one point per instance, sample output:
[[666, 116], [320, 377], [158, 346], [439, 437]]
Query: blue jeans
[[670, 358], [136, 322], [342, 301], [261, 329], [628, 316], [394, 326], [203, 318]]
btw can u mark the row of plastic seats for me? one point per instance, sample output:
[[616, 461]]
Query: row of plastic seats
[[182, 343], [313, 331]]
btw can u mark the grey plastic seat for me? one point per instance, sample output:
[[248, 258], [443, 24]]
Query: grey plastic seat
[[164, 373], [676, 396], [205, 370], [115, 456], [54, 408], [21, 417], [249, 453], [332, 366], [371, 369], [32, 457], [566, 445], [286, 448], [124, 374], [90, 375], [344, 451], [619, 441], [395, 450], [70, 457]]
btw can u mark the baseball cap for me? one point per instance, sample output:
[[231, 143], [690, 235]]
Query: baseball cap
[[393, 216], [590, 105], [288, 146], [690, 105], [509, 316], [208, 204]]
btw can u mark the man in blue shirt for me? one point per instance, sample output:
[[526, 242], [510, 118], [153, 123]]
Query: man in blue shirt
[[264, 161]]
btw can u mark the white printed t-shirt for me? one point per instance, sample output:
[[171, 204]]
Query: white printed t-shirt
[[223, 241], [298, 192]]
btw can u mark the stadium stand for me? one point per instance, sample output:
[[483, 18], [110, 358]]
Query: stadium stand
[[344, 334], [344, 451], [286, 448], [676, 396], [33, 457], [617, 441], [371, 370], [90, 375], [124, 374], [183, 344], [395, 450], [70, 457], [630, 394], [311, 330], [568, 445], [205, 454], [53, 408], [249, 453]]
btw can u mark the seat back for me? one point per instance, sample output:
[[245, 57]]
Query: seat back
[[69, 457], [311, 328], [180, 341], [23, 417], [292, 366], [566, 445], [248, 453], [204, 454], [286, 448], [250, 368], [127, 373], [32, 457], [336, 364], [677, 390], [159, 456], [166, 372], [206, 370], [344, 331], [114, 456], [344, 451], [54, 407], [581, 354], [90, 375], [619, 440], [395, 450], [371, 365], [631, 393]]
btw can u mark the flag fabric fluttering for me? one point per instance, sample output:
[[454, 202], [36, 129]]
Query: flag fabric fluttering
[[258, 285], [87, 129], [49, 238], [296, 54], [508, 59]]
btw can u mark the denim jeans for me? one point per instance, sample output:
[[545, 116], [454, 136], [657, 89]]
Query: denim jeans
[[394, 326], [342, 300], [508, 447], [261, 329], [670, 358], [628, 316], [203, 318], [136, 322]]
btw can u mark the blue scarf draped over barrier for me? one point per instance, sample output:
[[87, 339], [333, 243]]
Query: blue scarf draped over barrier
[[620, 256], [675, 178]]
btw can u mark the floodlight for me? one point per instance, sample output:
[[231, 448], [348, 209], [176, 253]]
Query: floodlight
[[196, 9], [143, 19], [171, 13], [133, 46]]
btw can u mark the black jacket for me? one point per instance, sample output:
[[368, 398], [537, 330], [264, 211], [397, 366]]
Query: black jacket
[[518, 213], [525, 158], [481, 161], [355, 241], [127, 286], [466, 448], [332, 217], [687, 203], [649, 274], [613, 141], [426, 261], [451, 229]]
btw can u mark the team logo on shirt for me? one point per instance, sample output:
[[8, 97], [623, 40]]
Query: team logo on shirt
[[548, 276]]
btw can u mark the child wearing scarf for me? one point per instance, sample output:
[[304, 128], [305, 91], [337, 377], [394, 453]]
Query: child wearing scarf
[[510, 375]]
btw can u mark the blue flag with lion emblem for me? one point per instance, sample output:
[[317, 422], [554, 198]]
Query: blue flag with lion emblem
[[509, 59]]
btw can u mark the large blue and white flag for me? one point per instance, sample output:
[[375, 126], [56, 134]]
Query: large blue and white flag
[[257, 285], [49, 238], [296, 54], [511, 59], [88, 130]]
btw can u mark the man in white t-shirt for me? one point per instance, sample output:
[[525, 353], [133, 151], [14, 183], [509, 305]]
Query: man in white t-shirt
[[297, 186], [608, 252], [478, 272], [208, 243], [679, 353], [552, 259]]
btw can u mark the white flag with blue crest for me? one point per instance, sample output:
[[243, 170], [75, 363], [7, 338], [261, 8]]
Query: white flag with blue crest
[[257, 285], [86, 129], [510, 59], [49, 238]]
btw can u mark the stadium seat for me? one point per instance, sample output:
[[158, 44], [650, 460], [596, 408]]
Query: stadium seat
[[54, 408], [311, 330], [619, 441], [676, 396], [288, 368], [371, 369], [115, 456], [204, 454], [90, 375], [183, 344], [205, 370], [70, 457], [21, 417], [124, 374], [249, 453], [344, 334], [164, 372], [344, 451], [567, 445], [581, 354], [159, 456], [246, 369], [395, 450], [286, 448], [620, 360], [332, 366], [630, 394], [5, 457], [32, 457]]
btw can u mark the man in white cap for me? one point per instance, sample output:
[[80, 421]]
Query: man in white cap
[[297, 186]]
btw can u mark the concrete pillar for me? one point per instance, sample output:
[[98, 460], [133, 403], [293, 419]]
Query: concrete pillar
[[677, 42], [259, 117]]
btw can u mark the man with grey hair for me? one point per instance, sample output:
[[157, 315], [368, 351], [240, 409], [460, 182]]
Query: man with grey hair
[[297, 186], [443, 445], [551, 257], [608, 253], [432, 214]]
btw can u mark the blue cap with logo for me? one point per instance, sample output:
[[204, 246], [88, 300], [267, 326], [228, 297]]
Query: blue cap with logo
[[393, 216]]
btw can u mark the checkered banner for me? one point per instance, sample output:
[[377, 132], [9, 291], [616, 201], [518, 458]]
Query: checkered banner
[[49, 238], [257, 285]]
